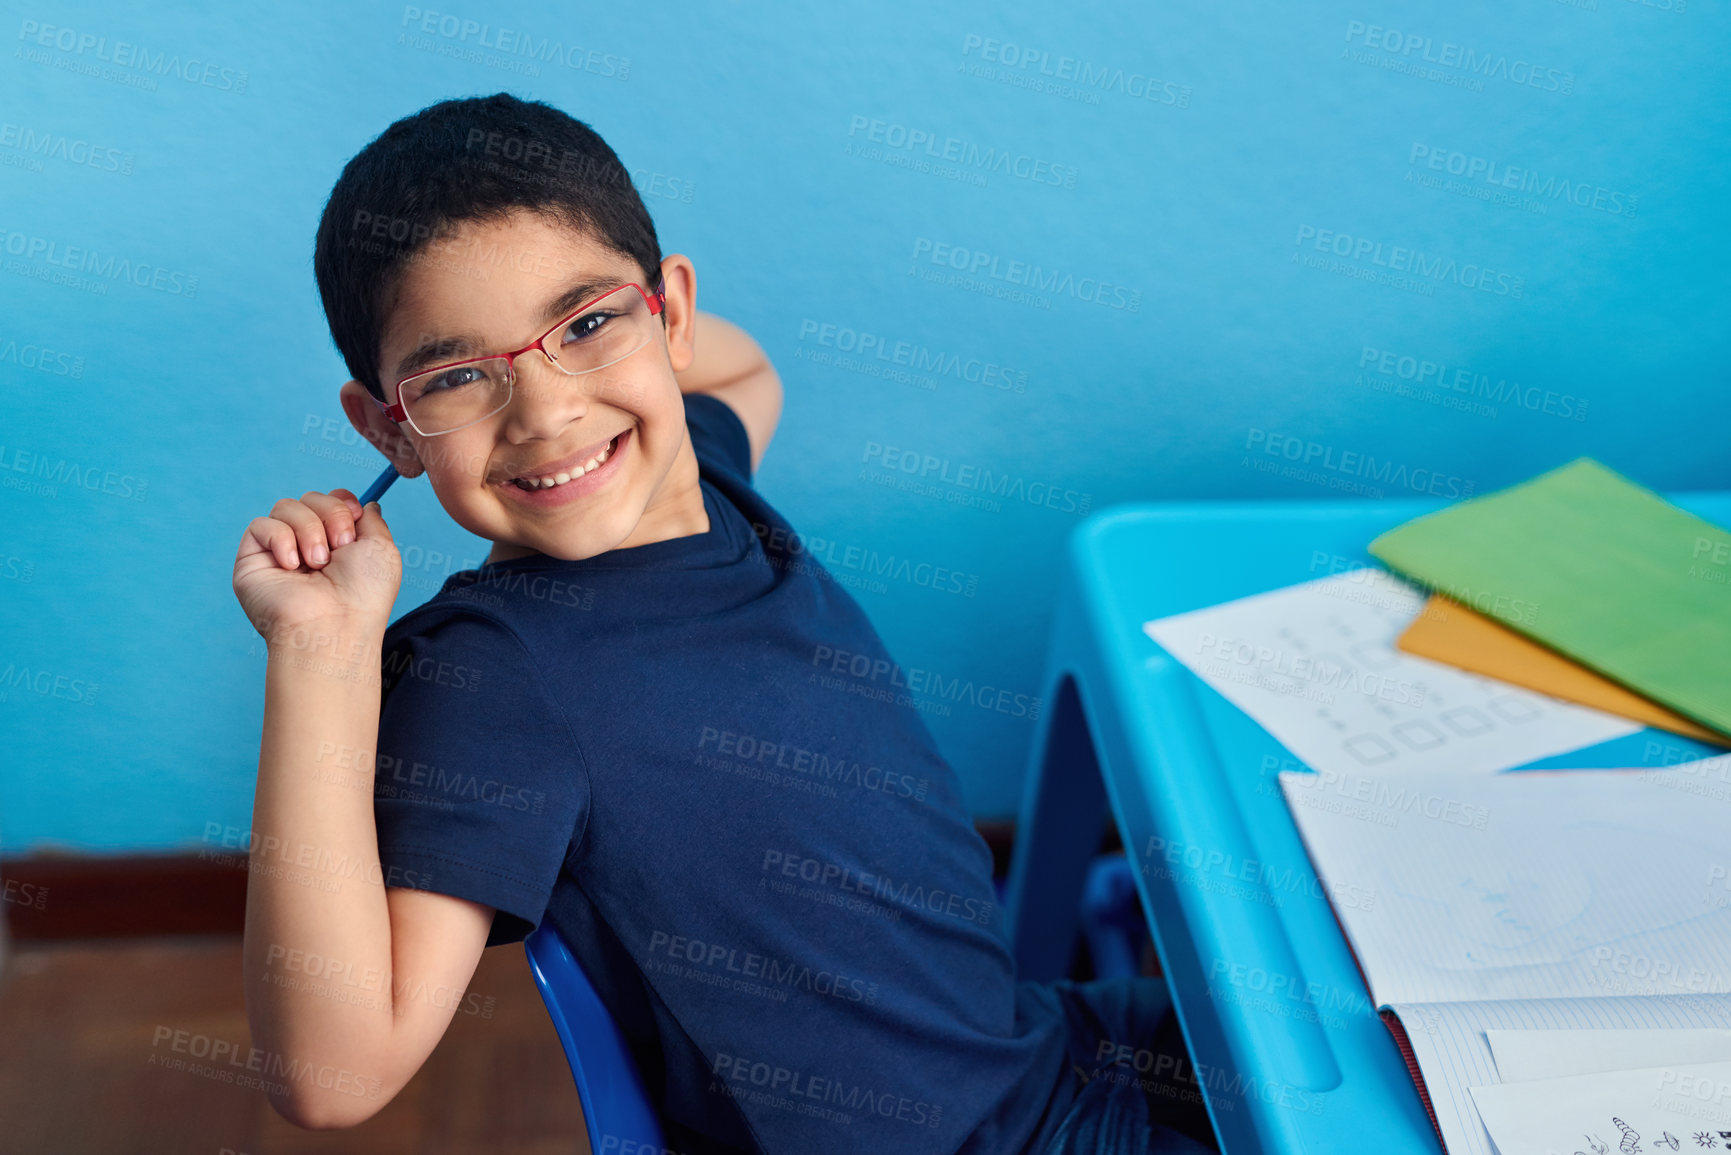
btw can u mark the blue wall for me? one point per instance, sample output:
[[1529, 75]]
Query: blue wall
[[1238, 249]]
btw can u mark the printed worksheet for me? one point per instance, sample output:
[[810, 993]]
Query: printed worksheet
[[1316, 666], [1655, 1109]]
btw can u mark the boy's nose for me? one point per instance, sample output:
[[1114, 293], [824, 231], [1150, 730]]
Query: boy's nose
[[544, 398]]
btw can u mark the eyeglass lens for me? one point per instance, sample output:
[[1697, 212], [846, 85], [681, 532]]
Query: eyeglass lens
[[608, 330]]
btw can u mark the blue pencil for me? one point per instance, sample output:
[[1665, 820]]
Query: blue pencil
[[379, 485]]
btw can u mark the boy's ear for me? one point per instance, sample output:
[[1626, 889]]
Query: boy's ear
[[680, 311], [369, 420]]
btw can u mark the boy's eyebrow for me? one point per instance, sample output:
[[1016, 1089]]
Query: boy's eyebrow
[[435, 350], [576, 295]]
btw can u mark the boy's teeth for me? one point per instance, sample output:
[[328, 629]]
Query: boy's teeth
[[562, 478]]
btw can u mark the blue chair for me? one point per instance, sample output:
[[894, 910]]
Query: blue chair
[[616, 1105], [1110, 916], [1112, 921]]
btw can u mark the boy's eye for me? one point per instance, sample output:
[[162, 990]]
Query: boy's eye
[[585, 327], [454, 378]]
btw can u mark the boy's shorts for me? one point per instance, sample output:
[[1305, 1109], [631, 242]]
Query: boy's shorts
[[1138, 1093]]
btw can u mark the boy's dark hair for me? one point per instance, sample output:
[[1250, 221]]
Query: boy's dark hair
[[462, 160]]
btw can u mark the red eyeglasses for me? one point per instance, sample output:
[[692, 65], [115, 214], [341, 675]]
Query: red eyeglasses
[[599, 333]]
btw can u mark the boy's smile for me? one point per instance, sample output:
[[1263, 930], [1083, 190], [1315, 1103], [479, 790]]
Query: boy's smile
[[565, 478], [573, 465]]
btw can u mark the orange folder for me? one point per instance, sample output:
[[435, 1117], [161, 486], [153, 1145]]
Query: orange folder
[[1449, 632]]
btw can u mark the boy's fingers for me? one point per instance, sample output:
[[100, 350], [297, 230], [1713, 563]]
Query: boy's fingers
[[372, 523], [277, 539], [350, 500], [339, 520], [309, 530]]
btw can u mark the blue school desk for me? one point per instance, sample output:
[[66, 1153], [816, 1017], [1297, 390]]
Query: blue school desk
[[1284, 1040]]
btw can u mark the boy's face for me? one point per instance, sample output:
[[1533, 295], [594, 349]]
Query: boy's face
[[492, 287]]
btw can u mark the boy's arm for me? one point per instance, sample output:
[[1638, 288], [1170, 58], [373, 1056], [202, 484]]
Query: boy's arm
[[730, 365], [343, 976]]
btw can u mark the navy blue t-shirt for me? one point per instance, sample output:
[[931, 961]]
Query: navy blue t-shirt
[[689, 757]]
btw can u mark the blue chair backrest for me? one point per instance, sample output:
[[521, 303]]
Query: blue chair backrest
[[616, 1106]]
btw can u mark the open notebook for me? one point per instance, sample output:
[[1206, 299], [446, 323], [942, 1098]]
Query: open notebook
[[1527, 900]]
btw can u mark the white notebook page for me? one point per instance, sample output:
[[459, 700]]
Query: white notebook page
[[1535, 884], [1525, 1055]]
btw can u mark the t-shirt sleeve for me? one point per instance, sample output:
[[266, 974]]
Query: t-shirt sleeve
[[718, 436], [479, 789]]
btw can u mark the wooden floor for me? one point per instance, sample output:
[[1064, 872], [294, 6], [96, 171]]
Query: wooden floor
[[78, 1022]]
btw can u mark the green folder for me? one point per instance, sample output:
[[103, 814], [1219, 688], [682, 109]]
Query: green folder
[[1590, 564]]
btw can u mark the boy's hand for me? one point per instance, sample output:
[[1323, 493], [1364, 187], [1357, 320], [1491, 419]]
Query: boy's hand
[[319, 559]]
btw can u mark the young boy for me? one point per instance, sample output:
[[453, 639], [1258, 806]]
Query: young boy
[[647, 719]]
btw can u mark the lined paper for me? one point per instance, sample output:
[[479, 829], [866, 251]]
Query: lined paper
[[1449, 1042]]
